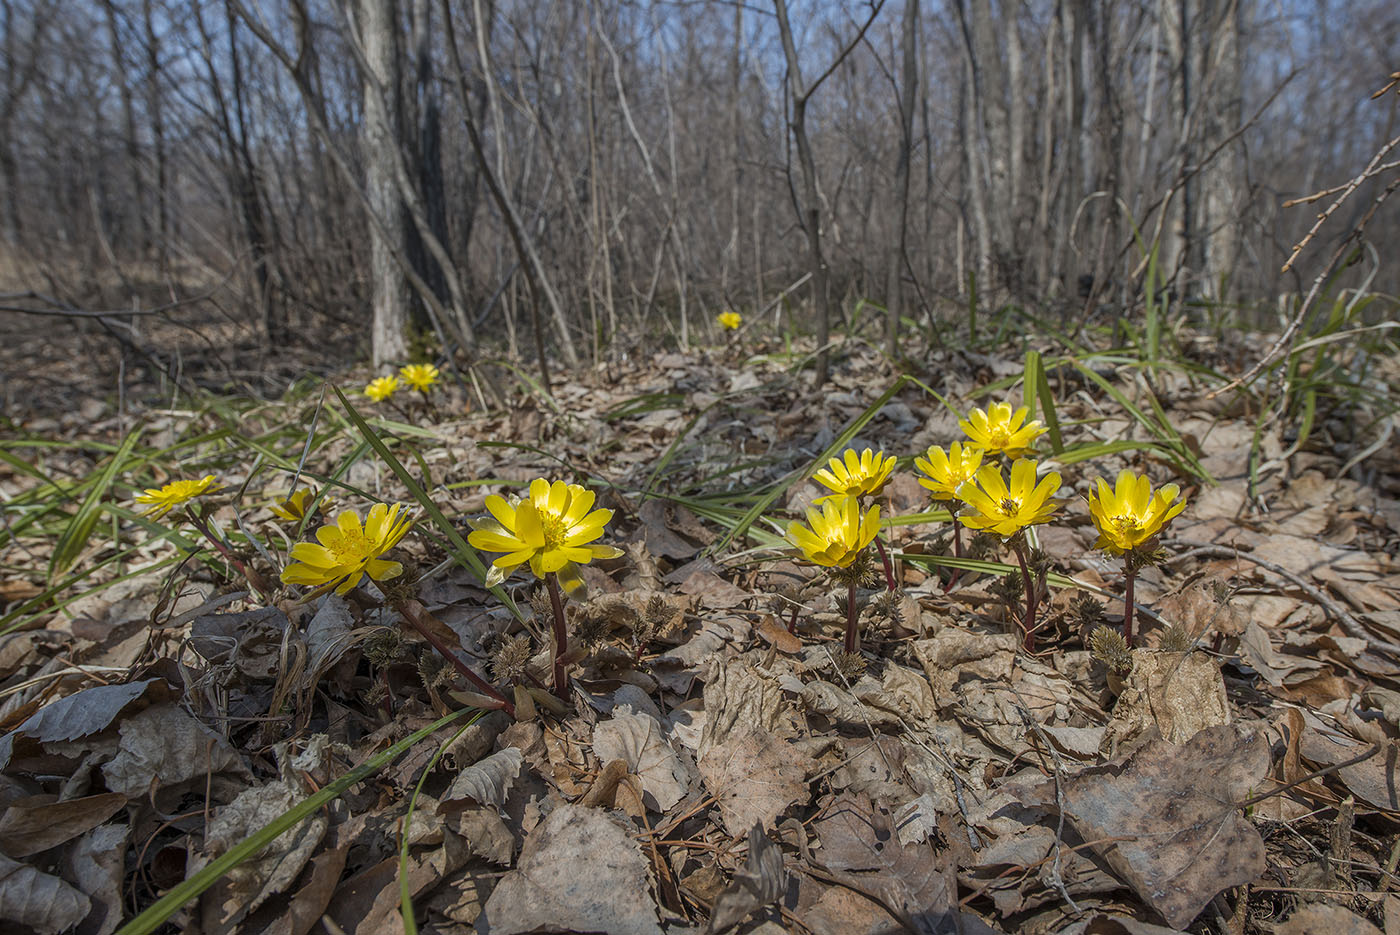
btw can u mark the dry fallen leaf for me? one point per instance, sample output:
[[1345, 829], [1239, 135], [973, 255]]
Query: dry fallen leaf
[[1178, 841], [82, 714], [37, 823], [38, 900], [637, 740], [579, 871], [755, 777], [859, 843], [1178, 693], [488, 781], [758, 883], [96, 865], [1312, 918]]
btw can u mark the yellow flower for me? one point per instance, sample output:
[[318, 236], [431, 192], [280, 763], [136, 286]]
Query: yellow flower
[[292, 508], [729, 321], [1131, 516], [550, 529], [419, 376], [837, 534], [857, 476], [1006, 510], [999, 431], [164, 499], [948, 470], [381, 388], [346, 553]]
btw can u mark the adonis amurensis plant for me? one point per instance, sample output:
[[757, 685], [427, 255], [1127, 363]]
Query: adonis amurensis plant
[[551, 531], [989, 482]]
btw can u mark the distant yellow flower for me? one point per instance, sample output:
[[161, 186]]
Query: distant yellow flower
[[1006, 510], [549, 529], [419, 376], [999, 431], [857, 475], [177, 492], [1131, 516], [381, 388], [838, 533], [346, 552], [729, 321], [292, 508], [948, 470]]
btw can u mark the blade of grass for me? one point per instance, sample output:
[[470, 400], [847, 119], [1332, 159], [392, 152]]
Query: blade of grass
[[159, 912], [410, 924], [75, 536], [793, 477], [465, 553]]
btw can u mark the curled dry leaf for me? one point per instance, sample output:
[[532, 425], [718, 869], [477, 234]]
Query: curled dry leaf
[[95, 865], [859, 842], [636, 739], [37, 823], [82, 714], [487, 782], [38, 900], [269, 872], [579, 871], [758, 883], [164, 747], [842, 708]]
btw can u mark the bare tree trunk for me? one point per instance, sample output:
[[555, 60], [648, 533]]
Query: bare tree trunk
[[1202, 234], [809, 209], [378, 24], [130, 143], [22, 65], [541, 288], [155, 112], [1222, 181], [810, 212], [909, 80]]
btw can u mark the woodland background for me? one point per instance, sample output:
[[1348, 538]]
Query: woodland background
[[566, 179]]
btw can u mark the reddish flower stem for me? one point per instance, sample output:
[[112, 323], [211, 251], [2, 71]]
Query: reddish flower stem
[[957, 550], [485, 687], [792, 621], [1129, 576], [255, 580], [885, 561], [561, 637], [851, 641], [1028, 622]]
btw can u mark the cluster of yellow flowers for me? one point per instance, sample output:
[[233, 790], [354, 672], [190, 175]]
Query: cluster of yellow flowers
[[421, 377], [981, 495]]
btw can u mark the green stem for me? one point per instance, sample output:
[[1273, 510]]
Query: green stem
[[561, 637]]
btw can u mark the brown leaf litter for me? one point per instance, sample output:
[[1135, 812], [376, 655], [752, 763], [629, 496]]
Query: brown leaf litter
[[715, 770]]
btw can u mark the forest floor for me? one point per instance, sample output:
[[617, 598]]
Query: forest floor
[[188, 747]]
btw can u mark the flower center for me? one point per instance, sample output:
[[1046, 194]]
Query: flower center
[[1010, 506], [998, 438], [555, 531], [351, 548], [1127, 523]]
